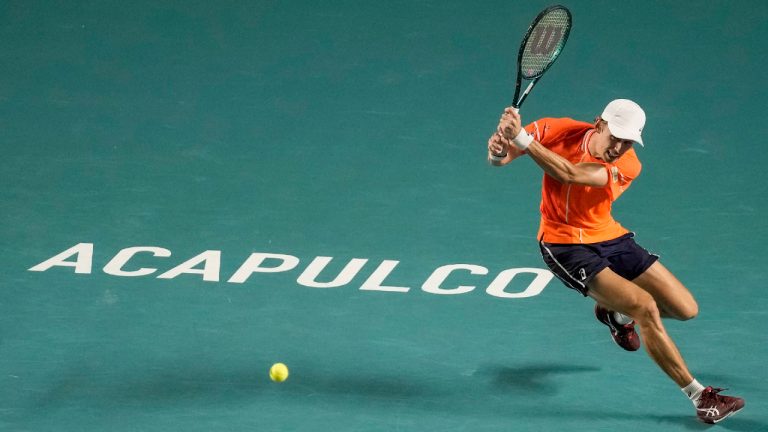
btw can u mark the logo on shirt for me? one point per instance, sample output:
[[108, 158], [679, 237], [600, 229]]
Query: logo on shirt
[[615, 174]]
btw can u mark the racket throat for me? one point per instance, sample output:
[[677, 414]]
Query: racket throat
[[525, 94]]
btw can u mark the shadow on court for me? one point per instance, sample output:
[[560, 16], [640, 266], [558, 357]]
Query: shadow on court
[[504, 392], [536, 379], [217, 383]]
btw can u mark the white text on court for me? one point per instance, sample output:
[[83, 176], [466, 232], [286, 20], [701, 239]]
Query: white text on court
[[207, 264]]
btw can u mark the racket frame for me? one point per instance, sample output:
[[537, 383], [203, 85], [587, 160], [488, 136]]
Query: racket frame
[[518, 99]]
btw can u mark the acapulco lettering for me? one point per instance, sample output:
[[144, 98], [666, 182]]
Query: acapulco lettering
[[508, 283]]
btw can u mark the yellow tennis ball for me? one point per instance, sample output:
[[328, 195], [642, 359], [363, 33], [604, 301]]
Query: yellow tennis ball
[[278, 372]]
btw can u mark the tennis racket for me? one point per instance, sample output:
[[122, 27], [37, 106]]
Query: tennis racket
[[542, 44]]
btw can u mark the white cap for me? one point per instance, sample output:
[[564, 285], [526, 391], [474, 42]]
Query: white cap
[[625, 119]]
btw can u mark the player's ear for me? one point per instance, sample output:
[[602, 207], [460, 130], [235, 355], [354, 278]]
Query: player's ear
[[599, 124]]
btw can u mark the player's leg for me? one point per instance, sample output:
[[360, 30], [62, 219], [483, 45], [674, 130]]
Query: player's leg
[[576, 264], [672, 297], [619, 294]]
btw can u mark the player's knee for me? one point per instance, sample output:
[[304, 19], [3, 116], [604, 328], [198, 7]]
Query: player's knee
[[689, 311], [647, 311]]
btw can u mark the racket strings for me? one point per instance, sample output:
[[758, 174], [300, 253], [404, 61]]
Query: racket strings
[[548, 36]]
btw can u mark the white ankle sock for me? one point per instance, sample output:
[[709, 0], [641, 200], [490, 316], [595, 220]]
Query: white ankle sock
[[621, 318], [693, 391]]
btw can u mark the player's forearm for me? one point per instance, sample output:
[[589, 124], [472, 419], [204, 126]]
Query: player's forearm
[[552, 163], [561, 169]]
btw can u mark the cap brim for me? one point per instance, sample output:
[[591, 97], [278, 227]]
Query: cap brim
[[622, 133]]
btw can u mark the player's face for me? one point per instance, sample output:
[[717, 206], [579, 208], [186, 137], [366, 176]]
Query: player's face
[[610, 148]]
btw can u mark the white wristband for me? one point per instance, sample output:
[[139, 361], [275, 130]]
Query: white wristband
[[497, 158], [522, 140]]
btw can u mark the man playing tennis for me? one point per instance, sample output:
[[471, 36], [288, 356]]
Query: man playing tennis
[[586, 167]]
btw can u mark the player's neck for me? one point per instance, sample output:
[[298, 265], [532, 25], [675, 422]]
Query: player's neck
[[591, 142]]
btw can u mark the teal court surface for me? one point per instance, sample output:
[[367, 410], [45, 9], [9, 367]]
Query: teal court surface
[[193, 191]]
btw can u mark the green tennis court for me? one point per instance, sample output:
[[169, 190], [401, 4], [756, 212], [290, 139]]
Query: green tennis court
[[193, 191]]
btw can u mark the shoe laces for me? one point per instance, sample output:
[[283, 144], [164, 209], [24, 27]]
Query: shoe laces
[[714, 393]]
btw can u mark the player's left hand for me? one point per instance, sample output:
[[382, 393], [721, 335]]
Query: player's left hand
[[510, 123], [497, 144]]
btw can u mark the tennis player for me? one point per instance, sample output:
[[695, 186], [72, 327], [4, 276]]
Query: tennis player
[[587, 166]]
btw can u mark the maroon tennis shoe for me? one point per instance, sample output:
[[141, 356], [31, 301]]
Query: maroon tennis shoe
[[714, 407], [623, 334]]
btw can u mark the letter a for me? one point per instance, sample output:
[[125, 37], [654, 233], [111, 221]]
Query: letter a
[[82, 263]]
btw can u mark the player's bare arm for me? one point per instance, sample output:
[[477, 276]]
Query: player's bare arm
[[588, 174]]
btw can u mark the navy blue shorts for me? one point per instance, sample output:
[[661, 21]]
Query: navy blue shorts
[[576, 264]]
